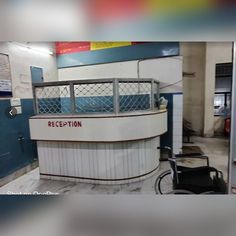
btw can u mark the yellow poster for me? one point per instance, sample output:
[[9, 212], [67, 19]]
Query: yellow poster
[[105, 45], [167, 6]]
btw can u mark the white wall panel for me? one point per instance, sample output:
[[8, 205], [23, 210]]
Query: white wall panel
[[108, 70], [177, 123], [20, 61], [166, 70]]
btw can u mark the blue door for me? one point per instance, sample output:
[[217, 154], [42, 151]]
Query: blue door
[[36, 74]]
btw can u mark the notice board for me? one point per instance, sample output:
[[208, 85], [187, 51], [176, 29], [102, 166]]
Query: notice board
[[5, 76]]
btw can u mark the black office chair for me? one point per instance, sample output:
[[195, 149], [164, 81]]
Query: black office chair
[[189, 180]]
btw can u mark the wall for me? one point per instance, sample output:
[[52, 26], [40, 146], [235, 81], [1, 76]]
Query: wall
[[102, 53], [198, 90], [17, 150], [166, 70], [215, 53], [20, 61], [193, 86]]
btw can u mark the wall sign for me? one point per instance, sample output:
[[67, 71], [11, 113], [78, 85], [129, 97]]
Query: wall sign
[[5, 85], [57, 124], [5, 76]]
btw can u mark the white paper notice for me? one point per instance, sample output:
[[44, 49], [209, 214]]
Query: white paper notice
[[5, 85], [5, 74]]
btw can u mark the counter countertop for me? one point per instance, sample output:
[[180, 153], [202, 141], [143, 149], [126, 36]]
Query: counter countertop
[[101, 115], [94, 115]]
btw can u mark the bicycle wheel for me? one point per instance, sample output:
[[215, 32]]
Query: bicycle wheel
[[163, 183]]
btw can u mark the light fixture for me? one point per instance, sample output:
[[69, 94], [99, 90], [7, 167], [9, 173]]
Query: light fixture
[[29, 47]]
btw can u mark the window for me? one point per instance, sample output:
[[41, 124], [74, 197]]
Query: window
[[223, 89], [224, 70], [222, 104]]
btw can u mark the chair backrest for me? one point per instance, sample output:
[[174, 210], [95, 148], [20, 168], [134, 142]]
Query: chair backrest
[[173, 165], [174, 170]]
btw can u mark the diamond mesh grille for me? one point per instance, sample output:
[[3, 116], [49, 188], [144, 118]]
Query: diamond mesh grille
[[94, 97], [134, 96], [53, 99]]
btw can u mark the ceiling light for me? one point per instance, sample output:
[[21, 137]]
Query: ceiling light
[[38, 50]]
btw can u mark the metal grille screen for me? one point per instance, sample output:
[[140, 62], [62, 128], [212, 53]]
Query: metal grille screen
[[107, 96], [134, 96], [93, 98], [53, 99]]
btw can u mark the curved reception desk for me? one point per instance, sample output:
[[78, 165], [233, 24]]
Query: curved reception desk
[[119, 146]]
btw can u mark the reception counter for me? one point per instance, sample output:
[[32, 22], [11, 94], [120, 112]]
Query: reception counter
[[104, 148]]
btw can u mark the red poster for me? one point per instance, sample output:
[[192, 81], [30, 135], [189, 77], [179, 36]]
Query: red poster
[[71, 47]]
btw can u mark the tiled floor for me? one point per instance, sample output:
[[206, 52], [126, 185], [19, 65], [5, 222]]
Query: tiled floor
[[215, 148]]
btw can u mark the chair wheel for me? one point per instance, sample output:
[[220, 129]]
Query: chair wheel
[[163, 183], [180, 191]]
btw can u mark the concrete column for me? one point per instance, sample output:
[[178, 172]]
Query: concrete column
[[193, 86]]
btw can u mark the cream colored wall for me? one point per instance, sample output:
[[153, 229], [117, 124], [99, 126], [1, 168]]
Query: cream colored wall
[[215, 53], [166, 70], [20, 61], [198, 91], [193, 87]]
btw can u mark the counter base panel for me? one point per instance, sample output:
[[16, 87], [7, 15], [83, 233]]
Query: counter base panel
[[98, 181], [103, 163]]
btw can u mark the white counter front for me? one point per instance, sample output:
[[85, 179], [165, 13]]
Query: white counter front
[[102, 149], [107, 128]]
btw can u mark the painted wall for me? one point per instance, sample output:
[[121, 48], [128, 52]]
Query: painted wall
[[166, 70], [215, 53], [193, 86], [20, 61], [17, 150], [198, 90], [103, 53]]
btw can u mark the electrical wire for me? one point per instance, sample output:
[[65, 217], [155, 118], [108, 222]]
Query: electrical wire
[[145, 59], [169, 85]]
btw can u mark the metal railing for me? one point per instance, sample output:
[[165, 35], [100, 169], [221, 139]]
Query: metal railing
[[96, 96]]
